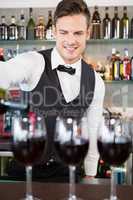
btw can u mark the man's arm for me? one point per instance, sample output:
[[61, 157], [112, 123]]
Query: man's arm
[[94, 116], [25, 67]]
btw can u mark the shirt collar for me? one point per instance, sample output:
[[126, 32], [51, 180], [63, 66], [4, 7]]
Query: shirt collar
[[56, 60]]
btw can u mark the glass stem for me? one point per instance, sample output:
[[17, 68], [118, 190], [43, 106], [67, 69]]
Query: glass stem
[[29, 183], [72, 195], [113, 185]]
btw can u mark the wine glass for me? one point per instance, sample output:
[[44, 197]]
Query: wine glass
[[71, 144], [114, 145], [28, 145]]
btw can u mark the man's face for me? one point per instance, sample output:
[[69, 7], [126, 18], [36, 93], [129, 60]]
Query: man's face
[[71, 33]]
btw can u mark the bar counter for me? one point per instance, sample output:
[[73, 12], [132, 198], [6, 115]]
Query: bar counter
[[57, 191]]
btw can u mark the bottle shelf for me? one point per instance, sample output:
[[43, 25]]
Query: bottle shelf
[[110, 41], [42, 42], [25, 42], [121, 82]]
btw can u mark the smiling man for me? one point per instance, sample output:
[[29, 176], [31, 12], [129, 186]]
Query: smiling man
[[59, 81]]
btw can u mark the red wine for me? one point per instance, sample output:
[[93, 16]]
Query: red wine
[[30, 151], [115, 153], [72, 152]]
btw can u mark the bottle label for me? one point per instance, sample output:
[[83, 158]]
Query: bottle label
[[3, 33], [125, 29], [13, 33]]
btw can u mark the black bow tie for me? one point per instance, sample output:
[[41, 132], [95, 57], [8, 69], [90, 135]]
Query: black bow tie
[[69, 70]]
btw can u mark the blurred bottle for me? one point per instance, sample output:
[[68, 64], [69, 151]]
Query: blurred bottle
[[125, 69], [131, 28], [49, 32], [9, 54], [7, 123], [40, 28], [22, 27], [106, 25], [2, 54], [131, 62], [109, 65], [103, 170], [2, 91], [116, 66], [116, 25], [124, 24], [13, 29], [3, 29], [31, 26], [96, 24]]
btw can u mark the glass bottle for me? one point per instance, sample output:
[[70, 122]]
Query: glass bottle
[[131, 63], [3, 29], [125, 24], [13, 29], [22, 27], [2, 54], [106, 25], [116, 66], [96, 25], [126, 65], [40, 28], [31, 26], [111, 63], [116, 25], [131, 29], [49, 33]]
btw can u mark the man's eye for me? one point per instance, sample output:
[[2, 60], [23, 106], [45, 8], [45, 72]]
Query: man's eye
[[79, 33], [63, 32]]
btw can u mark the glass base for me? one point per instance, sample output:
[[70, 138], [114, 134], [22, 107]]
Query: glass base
[[112, 198], [30, 198], [72, 198]]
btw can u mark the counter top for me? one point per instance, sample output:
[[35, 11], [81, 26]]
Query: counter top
[[56, 191]]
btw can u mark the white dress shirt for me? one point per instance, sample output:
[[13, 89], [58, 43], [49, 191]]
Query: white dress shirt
[[27, 68]]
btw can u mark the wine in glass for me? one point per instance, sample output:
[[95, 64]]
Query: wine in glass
[[114, 145], [71, 143], [28, 145]]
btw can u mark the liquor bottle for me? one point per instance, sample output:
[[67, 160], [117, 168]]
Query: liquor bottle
[[103, 170], [106, 25], [116, 66], [131, 63], [2, 91], [13, 29], [96, 25], [49, 33], [116, 25], [31, 26], [131, 29], [3, 29], [124, 24], [40, 28], [126, 66], [22, 27], [112, 60], [2, 54]]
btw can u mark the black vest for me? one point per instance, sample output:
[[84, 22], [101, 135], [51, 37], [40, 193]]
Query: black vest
[[47, 99]]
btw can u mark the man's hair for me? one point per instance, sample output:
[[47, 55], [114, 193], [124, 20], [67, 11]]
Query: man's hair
[[70, 8]]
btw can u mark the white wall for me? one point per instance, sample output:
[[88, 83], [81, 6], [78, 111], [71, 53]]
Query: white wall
[[53, 3], [109, 2]]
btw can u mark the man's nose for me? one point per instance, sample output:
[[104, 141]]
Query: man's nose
[[71, 39]]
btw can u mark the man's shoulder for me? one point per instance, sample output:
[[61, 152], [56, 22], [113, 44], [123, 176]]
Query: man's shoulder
[[45, 52], [99, 82], [96, 74], [88, 65]]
